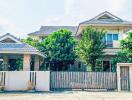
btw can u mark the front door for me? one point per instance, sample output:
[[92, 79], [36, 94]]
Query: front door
[[124, 73]]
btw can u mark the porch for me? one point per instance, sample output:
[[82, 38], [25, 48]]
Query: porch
[[15, 54], [20, 62]]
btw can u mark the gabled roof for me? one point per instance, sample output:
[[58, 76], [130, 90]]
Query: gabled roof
[[46, 30], [16, 47], [8, 35], [107, 18]]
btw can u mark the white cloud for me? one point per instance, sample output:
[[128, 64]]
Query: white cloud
[[67, 6], [116, 5], [7, 26], [76, 11]]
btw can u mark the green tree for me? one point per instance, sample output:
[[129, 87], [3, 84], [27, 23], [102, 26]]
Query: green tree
[[59, 48], [126, 46], [90, 47], [32, 42], [125, 55]]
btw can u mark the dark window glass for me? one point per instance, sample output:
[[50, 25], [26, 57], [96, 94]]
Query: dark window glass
[[109, 37], [115, 36], [109, 40]]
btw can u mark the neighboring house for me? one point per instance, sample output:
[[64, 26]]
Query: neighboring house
[[116, 31], [11, 49], [47, 30]]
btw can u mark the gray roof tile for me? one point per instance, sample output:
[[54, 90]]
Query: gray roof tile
[[18, 47], [46, 30]]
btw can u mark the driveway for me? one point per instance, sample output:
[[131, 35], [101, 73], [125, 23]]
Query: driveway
[[67, 95]]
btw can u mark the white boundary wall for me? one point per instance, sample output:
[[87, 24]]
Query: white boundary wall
[[19, 80], [43, 81]]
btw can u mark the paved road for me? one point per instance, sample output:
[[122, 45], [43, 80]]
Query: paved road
[[68, 96]]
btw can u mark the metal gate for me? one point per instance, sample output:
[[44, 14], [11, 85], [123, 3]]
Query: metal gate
[[124, 73]]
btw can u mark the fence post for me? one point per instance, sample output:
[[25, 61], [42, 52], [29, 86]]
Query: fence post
[[130, 75], [118, 78]]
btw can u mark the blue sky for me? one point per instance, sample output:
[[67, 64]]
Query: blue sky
[[20, 17]]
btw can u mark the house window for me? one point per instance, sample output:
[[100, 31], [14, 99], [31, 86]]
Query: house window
[[108, 39], [115, 36]]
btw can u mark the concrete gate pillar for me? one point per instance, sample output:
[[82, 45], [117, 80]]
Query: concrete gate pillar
[[26, 62], [119, 74], [36, 63], [130, 75]]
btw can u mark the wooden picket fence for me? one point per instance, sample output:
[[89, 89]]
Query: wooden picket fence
[[83, 80]]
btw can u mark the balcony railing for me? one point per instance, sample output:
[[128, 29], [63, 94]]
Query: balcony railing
[[113, 44], [109, 44]]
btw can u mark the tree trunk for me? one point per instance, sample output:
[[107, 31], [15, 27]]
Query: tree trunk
[[93, 65]]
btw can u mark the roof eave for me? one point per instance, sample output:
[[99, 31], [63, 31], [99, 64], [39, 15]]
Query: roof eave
[[22, 52], [39, 34], [101, 24]]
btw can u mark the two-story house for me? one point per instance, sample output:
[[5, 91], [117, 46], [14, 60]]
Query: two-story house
[[116, 30]]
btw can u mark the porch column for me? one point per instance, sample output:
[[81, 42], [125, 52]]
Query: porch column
[[26, 62], [5, 60], [36, 63]]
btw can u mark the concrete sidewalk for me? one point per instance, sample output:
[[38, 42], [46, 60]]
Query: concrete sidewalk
[[68, 95]]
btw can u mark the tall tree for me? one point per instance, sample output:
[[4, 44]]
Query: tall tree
[[126, 46], [90, 47], [59, 48], [125, 55]]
